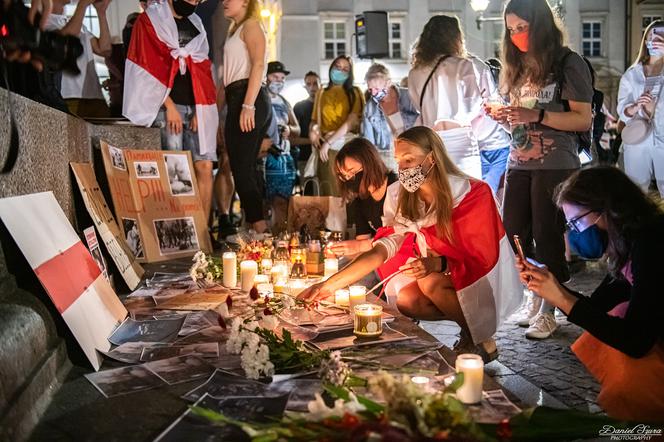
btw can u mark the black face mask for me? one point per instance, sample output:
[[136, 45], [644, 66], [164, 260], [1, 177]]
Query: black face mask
[[183, 8], [354, 183]]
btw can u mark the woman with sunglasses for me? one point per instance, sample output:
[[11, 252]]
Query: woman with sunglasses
[[550, 92], [623, 319], [363, 179], [442, 253], [335, 119]]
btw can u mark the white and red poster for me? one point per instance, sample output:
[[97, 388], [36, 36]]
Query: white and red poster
[[157, 203], [69, 274]]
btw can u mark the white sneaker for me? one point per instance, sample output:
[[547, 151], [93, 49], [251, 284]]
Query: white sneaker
[[528, 310], [543, 326]]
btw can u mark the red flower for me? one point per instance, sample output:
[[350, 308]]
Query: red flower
[[253, 293], [267, 312], [222, 323], [229, 302], [349, 420]]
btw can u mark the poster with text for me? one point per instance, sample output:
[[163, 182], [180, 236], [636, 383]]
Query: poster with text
[[157, 203], [66, 270], [111, 235]]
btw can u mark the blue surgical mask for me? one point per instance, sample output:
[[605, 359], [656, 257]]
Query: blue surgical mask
[[589, 244], [275, 87], [653, 52], [380, 95], [337, 76]]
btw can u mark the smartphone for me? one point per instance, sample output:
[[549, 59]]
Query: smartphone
[[519, 247]]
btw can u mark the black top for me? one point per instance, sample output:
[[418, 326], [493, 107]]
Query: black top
[[368, 212], [182, 91], [643, 324], [303, 110]]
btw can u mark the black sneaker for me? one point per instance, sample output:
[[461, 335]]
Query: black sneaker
[[225, 228]]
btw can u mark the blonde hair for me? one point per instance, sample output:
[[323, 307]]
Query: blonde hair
[[253, 11], [443, 167], [644, 55]]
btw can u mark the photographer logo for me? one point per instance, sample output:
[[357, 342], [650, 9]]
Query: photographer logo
[[638, 432]]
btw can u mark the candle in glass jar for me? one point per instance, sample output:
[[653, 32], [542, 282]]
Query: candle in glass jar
[[331, 267], [358, 295], [281, 285], [229, 267], [342, 297], [472, 367], [279, 271], [266, 266], [368, 320], [248, 271], [261, 279]]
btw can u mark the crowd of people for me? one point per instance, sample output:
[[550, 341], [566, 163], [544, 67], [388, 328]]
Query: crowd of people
[[447, 174]]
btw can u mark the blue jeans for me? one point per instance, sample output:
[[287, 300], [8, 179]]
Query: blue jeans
[[185, 140], [494, 165]]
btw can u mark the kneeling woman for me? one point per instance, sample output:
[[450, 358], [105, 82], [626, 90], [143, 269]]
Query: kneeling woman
[[623, 345], [444, 234]]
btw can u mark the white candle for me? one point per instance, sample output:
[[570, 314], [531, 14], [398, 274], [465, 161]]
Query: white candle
[[342, 297], [264, 289], [261, 279], [420, 380], [281, 285], [358, 295], [279, 271], [368, 320], [472, 368], [229, 267], [296, 285], [248, 271], [331, 267], [266, 265]]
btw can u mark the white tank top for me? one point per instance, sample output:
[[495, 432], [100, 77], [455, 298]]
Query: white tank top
[[237, 64]]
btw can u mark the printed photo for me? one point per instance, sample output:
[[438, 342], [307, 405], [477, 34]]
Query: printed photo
[[133, 237], [124, 380], [117, 158], [179, 175], [146, 169], [176, 235], [180, 369]]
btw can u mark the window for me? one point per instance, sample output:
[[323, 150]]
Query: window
[[647, 19], [334, 39], [591, 38], [395, 38], [90, 19]]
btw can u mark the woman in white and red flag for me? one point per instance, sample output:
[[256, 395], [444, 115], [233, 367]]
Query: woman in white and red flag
[[168, 81], [444, 239]]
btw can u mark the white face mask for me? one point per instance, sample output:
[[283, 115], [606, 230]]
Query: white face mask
[[412, 178]]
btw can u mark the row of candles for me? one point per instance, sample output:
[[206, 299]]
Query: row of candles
[[367, 318]]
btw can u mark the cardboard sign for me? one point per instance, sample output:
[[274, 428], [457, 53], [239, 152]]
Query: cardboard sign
[[110, 233], [66, 269], [157, 202]]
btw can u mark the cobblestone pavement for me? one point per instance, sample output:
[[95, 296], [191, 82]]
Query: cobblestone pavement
[[548, 364]]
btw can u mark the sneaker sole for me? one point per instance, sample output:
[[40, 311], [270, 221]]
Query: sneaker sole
[[539, 336]]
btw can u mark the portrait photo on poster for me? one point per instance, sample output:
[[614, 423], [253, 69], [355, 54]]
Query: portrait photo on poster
[[146, 169], [179, 175], [117, 157], [176, 235], [133, 237]]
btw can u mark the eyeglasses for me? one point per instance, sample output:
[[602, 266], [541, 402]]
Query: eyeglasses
[[573, 224]]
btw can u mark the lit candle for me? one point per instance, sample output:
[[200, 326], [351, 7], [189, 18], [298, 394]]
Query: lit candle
[[331, 267], [281, 285], [420, 380], [342, 297], [261, 279], [229, 267], [358, 295], [296, 285], [472, 368], [266, 266], [279, 271], [248, 271], [368, 320]]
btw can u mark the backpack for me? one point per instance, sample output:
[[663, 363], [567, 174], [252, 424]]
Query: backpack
[[592, 135]]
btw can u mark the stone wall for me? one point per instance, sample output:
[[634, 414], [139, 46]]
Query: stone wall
[[33, 358]]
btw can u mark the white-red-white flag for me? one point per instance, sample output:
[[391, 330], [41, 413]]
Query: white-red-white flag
[[65, 268]]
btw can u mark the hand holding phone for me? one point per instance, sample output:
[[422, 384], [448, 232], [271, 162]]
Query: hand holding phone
[[519, 247]]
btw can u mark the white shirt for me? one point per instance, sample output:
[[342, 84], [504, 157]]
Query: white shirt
[[632, 85], [452, 92], [86, 84], [490, 135], [237, 63]]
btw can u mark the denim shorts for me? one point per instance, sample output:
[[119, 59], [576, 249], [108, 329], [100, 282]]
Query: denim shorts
[[185, 140]]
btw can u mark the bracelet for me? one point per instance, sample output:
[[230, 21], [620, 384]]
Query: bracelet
[[248, 106], [541, 116]]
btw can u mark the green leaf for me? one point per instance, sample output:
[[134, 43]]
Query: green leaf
[[456, 383], [343, 393]]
